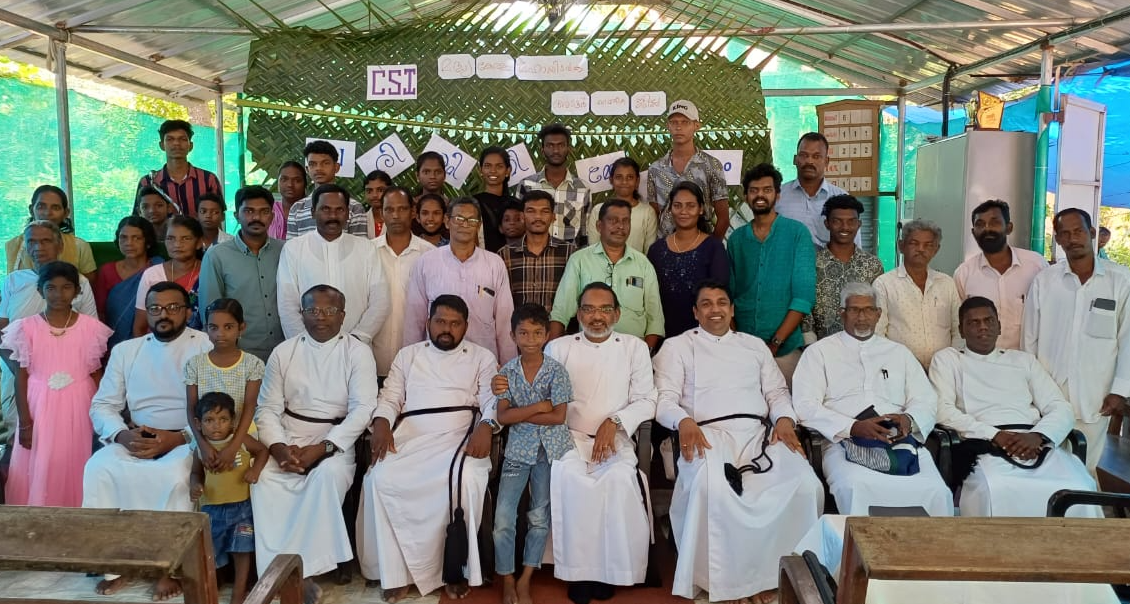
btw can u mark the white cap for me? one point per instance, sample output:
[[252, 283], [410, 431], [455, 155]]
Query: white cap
[[686, 108]]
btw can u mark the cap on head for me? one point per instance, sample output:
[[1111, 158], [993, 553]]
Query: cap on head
[[686, 108]]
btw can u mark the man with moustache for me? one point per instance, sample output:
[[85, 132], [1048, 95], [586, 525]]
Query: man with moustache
[[329, 256], [436, 409], [1077, 322], [322, 166], [246, 268], [572, 201], [840, 263], [858, 384], [772, 271], [1001, 273], [537, 261], [803, 199], [145, 465]]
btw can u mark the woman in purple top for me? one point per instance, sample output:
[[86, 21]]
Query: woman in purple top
[[686, 256]]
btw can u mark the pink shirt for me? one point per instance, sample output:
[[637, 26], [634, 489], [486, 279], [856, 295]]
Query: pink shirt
[[976, 278], [277, 230]]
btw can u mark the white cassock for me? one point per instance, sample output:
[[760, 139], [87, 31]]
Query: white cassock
[[837, 379], [405, 509], [144, 375], [349, 264], [703, 376], [333, 381], [600, 514], [978, 392]]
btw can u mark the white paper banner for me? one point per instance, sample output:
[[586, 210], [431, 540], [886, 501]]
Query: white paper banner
[[569, 102], [346, 155], [521, 163], [390, 83], [455, 67], [459, 162], [731, 164], [596, 172], [558, 67], [494, 67], [649, 103], [642, 189], [609, 102], [389, 156]]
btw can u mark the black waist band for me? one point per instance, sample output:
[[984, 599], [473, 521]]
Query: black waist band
[[314, 420]]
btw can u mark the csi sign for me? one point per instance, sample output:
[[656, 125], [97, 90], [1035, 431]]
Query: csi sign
[[391, 83]]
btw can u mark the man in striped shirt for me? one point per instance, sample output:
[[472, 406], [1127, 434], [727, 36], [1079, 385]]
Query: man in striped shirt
[[180, 180], [572, 201], [322, 166]]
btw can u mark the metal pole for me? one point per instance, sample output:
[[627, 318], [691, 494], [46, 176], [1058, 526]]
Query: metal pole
[[946, 102], [242, 147], [63, 116], [1044, 105], [220, 142], [900, 162], [840, 92]]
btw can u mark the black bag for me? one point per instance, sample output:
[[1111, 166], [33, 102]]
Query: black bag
[[899, 458], [966, 453]]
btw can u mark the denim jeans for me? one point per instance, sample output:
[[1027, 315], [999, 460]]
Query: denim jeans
[[510, 486]]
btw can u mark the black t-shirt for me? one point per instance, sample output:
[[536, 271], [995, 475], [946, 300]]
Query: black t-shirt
[[494, 206]]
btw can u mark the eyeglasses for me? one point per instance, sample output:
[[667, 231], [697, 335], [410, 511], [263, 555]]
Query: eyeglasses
[[315, 311], [155, 310], [608, 278], [860, 310], [465, 221], [589, 309]]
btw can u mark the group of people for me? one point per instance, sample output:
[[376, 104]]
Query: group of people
[[244, 370]]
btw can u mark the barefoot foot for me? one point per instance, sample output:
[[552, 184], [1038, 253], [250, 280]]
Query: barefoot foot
[[311, 592], [457, 591], [109, 587], [394, 595], [509, 593], [523, 589], [166, 588]]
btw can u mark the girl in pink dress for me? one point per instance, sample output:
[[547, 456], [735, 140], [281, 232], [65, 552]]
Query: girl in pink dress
[[58, 353]]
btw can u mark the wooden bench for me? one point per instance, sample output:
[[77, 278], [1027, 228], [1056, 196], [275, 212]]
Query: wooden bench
[[134, 543], [1114, 465]]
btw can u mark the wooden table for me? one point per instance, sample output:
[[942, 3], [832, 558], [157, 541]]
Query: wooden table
[[1061, 550]]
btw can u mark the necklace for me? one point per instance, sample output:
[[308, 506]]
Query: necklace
[[678, 248], [173, 273], [58, 333]]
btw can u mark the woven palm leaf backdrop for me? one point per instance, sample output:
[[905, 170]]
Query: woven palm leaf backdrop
[[304, 84]]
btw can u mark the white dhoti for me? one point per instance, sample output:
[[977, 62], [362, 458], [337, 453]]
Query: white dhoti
[[1095, 433], [115, 479], [714, 527], [998, 488], [857, 488], [601, 524], [405, 509]]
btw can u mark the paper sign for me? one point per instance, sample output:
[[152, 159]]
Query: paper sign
[[833, 169], [455, 67], [494, 67], [853, 150], [864, 183], [865, 149], [390, 83], [731, 164], [557, 67], [831, 118], [865, 132], [521, 163], [833, 135], [459, 162], [596, 172], [389, 155], [346, 154], [642, 189], [853, 183], [649, 103], [609, 102], [569, 102]]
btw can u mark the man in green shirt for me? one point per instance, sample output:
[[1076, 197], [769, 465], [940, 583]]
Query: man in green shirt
[[772, 271], [626, 270]]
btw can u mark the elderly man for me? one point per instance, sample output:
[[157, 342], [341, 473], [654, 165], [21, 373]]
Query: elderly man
[[919, 303], [726, 397], [1010, 414], [319, 390], [1077, 322], [330, 256], [438, 402], [862, 391], [145, 464]]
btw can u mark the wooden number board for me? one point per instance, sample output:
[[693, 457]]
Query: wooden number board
[[852, 130]]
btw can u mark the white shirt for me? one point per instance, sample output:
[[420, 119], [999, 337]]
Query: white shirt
[[1086, 349], [397, 269], [145, 375], [348, 263], [975, 277], [795, 203], [923, 321], [424, 377], [334, 379], [20, 298], [839, 377], [978, 392], [704, 376]]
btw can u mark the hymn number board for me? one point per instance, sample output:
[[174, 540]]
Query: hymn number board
[[852, 130]]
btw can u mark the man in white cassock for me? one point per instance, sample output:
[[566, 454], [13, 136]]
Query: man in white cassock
[[856, 384], [433, 424], [1005, 401], [601, 528], [145, 465], [319, 390], [712, 382], [330, 256]]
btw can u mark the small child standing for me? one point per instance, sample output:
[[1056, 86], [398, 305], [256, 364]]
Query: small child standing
[[227, 496], [534, 408]]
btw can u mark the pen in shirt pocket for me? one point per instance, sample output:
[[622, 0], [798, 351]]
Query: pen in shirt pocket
[[486, 290]]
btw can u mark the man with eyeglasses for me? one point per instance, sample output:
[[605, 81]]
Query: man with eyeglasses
[[319, 391], [572, 201], [246, 268], [145, 465], [330, 256], [626, 270], [463, 269], [870, 398]]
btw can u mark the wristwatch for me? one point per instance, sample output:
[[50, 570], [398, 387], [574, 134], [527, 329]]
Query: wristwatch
[[330, 447], [616, 420], [775, 341], [495, 427], [186, 435]]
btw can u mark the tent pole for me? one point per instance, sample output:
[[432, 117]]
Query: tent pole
[[63, 115], [1044, 105], [900, 167], [220, 142]]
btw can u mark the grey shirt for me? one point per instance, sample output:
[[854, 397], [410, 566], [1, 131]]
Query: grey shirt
[[230, 270]]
